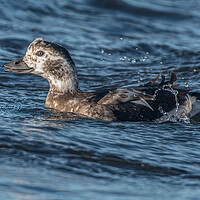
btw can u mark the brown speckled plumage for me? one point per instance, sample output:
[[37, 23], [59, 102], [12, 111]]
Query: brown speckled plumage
[[146, 103]]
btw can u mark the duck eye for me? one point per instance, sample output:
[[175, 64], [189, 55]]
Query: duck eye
[[40, 53]]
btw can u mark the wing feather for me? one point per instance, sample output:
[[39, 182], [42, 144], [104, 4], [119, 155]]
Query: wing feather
[[142, 102], [125, 95]]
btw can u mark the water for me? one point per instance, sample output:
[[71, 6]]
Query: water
[[45, 155]]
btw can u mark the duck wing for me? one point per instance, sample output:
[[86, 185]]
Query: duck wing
[[127, 95], [149, 101], [139, 95]]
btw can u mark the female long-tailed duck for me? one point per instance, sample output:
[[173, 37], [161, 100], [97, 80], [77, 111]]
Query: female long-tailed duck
[[150, 102]]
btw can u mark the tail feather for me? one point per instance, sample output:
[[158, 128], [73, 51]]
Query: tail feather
[[195, 110], [163, 82]]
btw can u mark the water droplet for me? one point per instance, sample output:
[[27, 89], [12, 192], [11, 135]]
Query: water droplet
[[133, 61], [102, 51]]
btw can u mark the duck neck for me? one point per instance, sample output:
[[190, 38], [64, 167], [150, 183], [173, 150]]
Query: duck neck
[[61, 88], [68, 84]]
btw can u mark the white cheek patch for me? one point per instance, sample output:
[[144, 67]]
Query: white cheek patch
[[39, 65], [37, 62]]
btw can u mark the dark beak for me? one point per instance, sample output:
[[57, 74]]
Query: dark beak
[[18, 66]]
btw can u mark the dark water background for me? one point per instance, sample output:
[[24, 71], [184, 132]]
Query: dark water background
[[114, 43]]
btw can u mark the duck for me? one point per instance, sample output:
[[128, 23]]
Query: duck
[[152, 101]]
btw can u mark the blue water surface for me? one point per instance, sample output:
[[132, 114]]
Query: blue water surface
[[114, 43]]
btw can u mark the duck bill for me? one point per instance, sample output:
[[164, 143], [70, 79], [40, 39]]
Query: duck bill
[[18, 66]]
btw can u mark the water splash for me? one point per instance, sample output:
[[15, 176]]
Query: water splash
[[178, 113]]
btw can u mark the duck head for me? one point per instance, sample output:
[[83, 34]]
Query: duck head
[[51, 61]]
